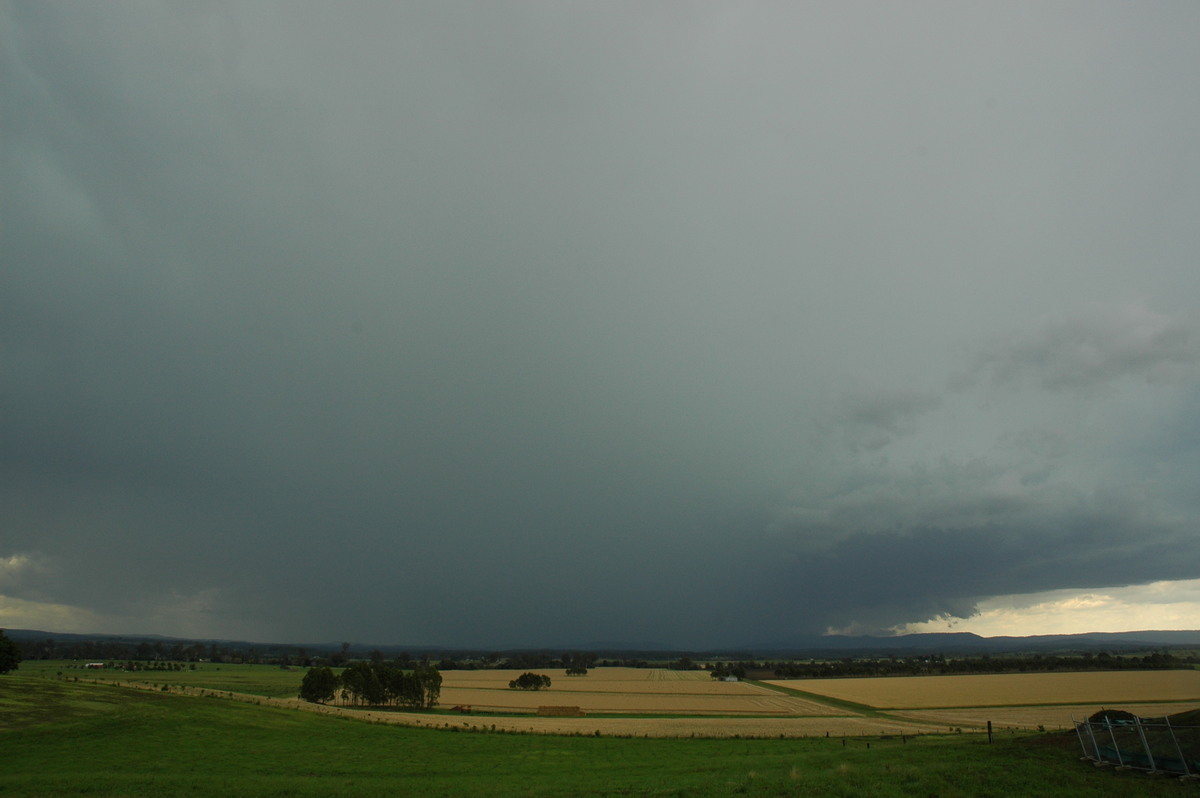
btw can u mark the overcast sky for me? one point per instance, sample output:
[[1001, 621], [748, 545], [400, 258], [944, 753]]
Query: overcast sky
[[507, 323]]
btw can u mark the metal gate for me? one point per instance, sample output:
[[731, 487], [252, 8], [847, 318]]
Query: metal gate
[[1153, 745]]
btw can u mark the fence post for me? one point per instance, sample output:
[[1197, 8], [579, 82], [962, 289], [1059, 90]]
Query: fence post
[[1087, 724], [1145, 745], [1079, 734], [1113, 736], [1187, 771]]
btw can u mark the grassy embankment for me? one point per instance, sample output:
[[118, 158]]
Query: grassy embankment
[[61, 737]]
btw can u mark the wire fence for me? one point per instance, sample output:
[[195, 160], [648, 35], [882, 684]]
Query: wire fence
[[1150, 744]]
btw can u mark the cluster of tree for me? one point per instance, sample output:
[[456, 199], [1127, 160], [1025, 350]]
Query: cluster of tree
[[579, 662], [374, 684], [520, 660], [527, 660], [530, 681], [10, 655], [939, 664], [130, 665], [630, 662], [724, 670]]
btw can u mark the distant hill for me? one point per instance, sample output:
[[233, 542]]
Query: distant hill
[[817, 646]]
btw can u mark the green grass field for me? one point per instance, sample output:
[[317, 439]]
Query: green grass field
[[264, 680], [61, 737]]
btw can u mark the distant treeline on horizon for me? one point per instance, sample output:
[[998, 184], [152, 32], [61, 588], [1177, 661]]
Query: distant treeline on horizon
[[124, 652], [939, 665]]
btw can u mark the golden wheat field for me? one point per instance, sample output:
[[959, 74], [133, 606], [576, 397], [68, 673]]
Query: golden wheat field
[[614, 680], [1009, 689], [625, 691], [687, 727]]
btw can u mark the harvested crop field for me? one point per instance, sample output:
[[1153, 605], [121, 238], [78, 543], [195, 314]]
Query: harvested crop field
[[691, 727], [1010, 689], [625, 691], [611, 680], [834, 726], [1048, 717]]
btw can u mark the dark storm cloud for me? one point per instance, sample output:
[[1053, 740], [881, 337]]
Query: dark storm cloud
[[494, 324], [931, 543]]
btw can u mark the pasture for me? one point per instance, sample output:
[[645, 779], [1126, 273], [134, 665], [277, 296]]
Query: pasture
[[62, 737], [261, 680]]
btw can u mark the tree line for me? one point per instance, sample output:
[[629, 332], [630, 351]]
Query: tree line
[[940, 665], [374, 684], [118, 650], [112, 649]]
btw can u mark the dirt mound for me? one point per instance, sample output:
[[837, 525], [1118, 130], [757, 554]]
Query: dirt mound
[[1189, 718]]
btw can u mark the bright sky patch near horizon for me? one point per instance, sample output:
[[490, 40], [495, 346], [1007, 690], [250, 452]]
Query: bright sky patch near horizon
[[524, 323], [1156, 606]]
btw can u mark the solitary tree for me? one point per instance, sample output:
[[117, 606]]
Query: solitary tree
[[10, 655]]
